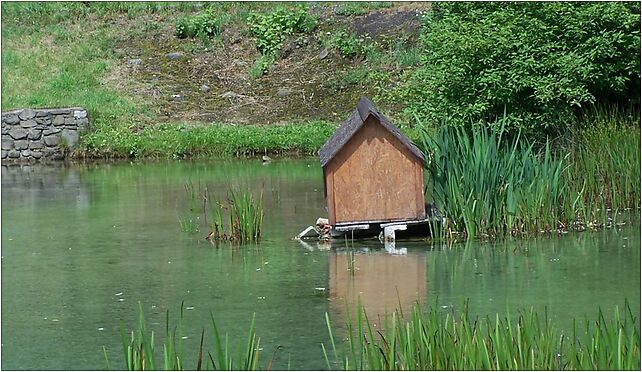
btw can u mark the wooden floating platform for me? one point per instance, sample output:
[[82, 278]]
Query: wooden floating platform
[[384, 230]]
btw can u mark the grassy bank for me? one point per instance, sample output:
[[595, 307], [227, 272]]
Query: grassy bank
[[431, 340], [185, 140]]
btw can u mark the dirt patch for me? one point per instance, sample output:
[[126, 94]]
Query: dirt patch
[[387, 22]]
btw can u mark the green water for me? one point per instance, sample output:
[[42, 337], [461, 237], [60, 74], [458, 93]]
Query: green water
[[82, 245]]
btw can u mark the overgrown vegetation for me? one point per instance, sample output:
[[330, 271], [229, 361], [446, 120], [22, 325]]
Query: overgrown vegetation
[[179, 141], [271, 29], [203, 25], [490, 184], [239, 218], [450, 341], [432, 340], [140, 353], [348, 45], [540, 62]]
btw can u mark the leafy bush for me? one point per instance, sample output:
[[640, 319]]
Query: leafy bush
[[540, 61], [203, 25], [272, 28], [348, 45]]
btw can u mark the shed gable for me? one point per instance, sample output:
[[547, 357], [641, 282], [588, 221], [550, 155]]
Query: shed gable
[[374, 177]]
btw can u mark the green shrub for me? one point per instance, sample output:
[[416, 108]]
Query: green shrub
[[540, 61], [203, 25], [348, 45], [261, 66], [271, 29]]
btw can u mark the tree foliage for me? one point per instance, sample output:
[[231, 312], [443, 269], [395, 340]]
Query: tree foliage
[[540, 62]]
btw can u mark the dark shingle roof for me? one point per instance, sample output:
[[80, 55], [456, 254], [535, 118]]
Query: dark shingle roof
[[342, 135]]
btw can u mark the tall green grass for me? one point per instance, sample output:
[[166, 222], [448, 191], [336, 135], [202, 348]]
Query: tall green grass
[[489, 184], [239, 218], [432, 340], [605, 164], [447, 341], [140, 353], [184, 141]]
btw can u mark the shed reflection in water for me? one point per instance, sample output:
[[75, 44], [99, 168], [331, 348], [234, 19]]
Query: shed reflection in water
[[380, 278]]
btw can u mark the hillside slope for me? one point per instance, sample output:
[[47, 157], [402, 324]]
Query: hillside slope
[[133, 52], [213, 83]]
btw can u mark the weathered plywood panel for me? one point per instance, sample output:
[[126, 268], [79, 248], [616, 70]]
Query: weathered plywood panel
[[375, 177]]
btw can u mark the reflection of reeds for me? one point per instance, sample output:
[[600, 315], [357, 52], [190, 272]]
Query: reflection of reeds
[[435, 341], [189, 223]]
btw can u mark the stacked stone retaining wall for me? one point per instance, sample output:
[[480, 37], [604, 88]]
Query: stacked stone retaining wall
[[37, 134]]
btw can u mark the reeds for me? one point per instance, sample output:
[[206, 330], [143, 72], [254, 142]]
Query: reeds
[[447, 341], [140, 354], [239, 218], [244, 217], [605, 167], [489, 185]]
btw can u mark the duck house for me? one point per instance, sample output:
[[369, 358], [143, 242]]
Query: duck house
[[372, 172]]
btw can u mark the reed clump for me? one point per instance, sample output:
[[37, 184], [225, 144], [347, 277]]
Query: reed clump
[[140, 353], [448, 341], [490, 184], [244, 217], [239, 218]]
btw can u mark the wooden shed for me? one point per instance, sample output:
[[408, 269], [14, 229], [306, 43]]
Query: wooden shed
[[372, 172]]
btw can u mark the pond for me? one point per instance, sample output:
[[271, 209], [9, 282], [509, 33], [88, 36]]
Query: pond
[[82, 245]]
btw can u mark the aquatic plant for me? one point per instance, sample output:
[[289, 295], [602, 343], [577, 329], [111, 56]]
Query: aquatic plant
[[605, 164], [239, 219], [488, 184], [447, 341], [140, 353], [246, 215]]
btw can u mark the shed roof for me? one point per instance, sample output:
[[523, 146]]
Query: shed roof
[[342, 135]]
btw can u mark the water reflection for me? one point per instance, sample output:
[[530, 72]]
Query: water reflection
[[76, 240], [30, 185], [381, 280]]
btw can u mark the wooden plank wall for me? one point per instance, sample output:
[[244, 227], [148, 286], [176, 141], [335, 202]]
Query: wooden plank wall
[[374, 178]]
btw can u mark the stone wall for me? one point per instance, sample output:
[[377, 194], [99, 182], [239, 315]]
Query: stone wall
[[30, 135]]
